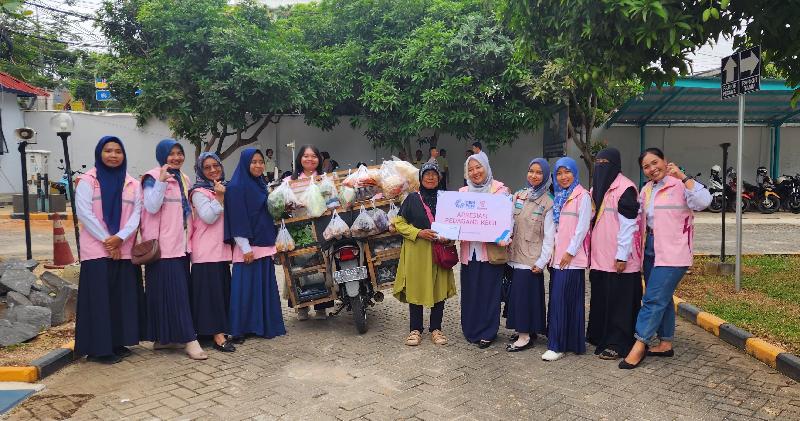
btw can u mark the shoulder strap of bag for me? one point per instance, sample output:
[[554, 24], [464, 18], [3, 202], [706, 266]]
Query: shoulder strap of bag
[[427, 209]]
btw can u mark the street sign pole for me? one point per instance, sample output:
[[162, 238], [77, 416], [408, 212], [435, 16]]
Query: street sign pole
[[739, 177]]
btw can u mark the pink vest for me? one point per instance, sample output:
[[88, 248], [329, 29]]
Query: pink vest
[[604, 233], [207, 240], [673, 223], [167, 223], [497, 187], [567, 224], [92, 248]]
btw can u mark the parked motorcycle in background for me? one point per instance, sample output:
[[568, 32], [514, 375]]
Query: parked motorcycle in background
[[788, 188], [748, 193], [767, 199]]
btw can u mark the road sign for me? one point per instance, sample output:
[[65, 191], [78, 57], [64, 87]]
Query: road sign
[[102, 95], [740, 73], [100, 83]]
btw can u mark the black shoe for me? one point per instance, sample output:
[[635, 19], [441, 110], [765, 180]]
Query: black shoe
[[226, 346], [238, 340], [483, 344], [624, 365], [105, 359], [670, 353], [513, 338], [513, 348], [122, 351]]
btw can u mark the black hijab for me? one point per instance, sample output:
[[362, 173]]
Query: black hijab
[[604, 175], [412, 210]]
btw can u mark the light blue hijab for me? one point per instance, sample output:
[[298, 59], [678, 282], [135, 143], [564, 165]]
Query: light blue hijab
[[562, 194]]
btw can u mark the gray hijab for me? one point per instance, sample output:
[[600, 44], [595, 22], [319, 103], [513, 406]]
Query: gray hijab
[[484, 187]]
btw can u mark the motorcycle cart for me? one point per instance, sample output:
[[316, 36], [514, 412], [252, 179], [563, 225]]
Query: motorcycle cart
[[354, 271]]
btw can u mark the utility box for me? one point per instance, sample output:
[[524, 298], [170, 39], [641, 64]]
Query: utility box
[[58, 203]]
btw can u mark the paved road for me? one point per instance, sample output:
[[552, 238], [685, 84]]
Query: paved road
[[324, 370]]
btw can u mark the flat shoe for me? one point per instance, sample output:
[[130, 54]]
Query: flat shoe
[[438, 337], [105, 359], [624, 365], [513, 348], [238, 340], [226, 346], [414, 338], [483, 344], [609, 354], [670, 353]]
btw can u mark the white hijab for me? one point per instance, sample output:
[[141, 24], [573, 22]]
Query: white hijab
[[484, 187]]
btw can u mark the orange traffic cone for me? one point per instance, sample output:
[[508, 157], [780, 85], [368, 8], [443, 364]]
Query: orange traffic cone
[[62, 255]]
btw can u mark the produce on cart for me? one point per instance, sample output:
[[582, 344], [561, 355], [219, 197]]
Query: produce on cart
[[284, 241]]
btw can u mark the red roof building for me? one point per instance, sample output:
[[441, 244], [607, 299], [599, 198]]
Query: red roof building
[[11, 84]]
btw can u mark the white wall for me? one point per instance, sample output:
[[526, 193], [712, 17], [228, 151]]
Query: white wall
[[10, 171], [695, 148]]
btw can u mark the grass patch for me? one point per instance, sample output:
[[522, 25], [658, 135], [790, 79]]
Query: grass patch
[[768, 305]]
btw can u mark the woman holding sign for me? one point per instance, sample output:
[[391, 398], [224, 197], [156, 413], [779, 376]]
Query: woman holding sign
[[668, 200], [530, 250], [482, 265], [419, 280], [616, 259], [572, 213]]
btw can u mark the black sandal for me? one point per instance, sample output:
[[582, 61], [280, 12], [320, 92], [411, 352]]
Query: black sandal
[[513, 348], [624, 365], [609, 354], [483, 344]]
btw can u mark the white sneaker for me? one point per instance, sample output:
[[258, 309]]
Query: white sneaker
[[302, 313], [552, 355]]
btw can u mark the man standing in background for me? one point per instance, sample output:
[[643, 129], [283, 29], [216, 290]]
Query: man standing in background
[[269, 165], [418, 159], [441, 163]]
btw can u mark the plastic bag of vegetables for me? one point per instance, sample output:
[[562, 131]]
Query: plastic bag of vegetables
[[380, 218], [393, 212], [281, 200], [284, 241], [313, 200], [362, 177], [393, 184], [328, 189], [364, 225], [409, 171], [336, 228]]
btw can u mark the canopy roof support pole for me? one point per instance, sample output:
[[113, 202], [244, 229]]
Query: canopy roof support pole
[[776, 153], [641, 151]]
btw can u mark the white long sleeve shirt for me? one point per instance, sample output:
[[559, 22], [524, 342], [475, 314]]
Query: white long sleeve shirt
[[627, 227], [207, 208], [92, 224]]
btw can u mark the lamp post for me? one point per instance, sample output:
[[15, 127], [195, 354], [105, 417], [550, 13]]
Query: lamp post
[[62, 124], [25, 206]]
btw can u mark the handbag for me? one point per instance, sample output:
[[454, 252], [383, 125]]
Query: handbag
[[446, 256], [496, 254], [148, 251]]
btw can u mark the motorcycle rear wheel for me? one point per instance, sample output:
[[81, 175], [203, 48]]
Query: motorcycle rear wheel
[[793, 205], [359, 310], [716, 204], [768, 204]]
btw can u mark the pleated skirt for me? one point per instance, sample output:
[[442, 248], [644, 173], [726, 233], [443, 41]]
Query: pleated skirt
[[566, 312], [526, 307], [614, 304], [210, 290], [481, 284], [108, 306], [169, 314], [255, 301]]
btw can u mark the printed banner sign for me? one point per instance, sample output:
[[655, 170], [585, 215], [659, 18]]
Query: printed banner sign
[[479, 216]]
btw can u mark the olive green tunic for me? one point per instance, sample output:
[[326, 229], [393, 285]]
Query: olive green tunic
[[419, 280]]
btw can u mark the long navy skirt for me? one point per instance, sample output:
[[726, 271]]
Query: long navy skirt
[[526, 310], [614, 304], [169, 314], [211, 295], [255, 301], [481, 284], [566, 312], [107, 307]]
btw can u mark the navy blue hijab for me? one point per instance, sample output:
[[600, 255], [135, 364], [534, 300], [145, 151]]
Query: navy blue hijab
[[246, 205], [112, 181]]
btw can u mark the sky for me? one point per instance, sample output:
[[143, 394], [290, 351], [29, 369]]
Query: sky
[[707, 58]]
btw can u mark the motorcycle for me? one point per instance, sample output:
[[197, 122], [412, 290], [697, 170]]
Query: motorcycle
[[747, 194], [788, 188], [717, 190], [60, 186], [767, 199], [350, 273]]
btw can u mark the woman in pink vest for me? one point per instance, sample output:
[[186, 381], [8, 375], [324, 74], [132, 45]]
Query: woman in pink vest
[[616, 259], [481, 280], [307, 164], [531, 248], [167, 217], [667, 204], [572, 214], [107, 200], [255, 300], [211, 257]]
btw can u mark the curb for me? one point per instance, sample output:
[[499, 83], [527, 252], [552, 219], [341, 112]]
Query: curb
[[37, 216], [42, 366], [776, 357]]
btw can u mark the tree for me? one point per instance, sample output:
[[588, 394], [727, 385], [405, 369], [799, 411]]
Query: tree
[[215, 71]]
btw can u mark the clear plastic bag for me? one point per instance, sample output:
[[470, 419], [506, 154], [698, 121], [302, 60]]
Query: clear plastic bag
[[281, 200], [284, 241], [313, 200], [364, 225], [393, 184], [328, 189], [336, 228], [393, 212], [380, 218], [409, 171], [362, 177]]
